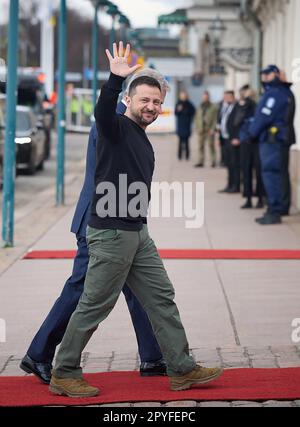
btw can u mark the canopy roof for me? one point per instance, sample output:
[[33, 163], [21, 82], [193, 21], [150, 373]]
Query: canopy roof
[[177, 17]]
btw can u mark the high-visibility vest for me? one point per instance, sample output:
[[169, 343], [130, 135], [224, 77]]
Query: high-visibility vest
[[75, 106], [87, 107]]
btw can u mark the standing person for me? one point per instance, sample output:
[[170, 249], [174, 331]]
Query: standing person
[[75, 109], [184, 112], [243, 110], [226, 111], [39, 356], [250, 161], [286, 148], [206, 121], [86, 110], [270, 125], [221, 110], [119, 243]]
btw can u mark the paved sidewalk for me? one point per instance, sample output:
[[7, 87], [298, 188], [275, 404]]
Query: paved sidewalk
[[236, 313]]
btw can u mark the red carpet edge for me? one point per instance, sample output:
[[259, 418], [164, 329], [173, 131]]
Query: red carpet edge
[[117, 387], [185, 254]]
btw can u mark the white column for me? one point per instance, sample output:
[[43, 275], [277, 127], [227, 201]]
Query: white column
[[242, 78], [230, 78], [280, 40], [274, 41], [47, 44], [289, 35], [266, 44]]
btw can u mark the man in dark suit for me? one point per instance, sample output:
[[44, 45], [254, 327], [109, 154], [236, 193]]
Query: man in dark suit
[[40, 354]]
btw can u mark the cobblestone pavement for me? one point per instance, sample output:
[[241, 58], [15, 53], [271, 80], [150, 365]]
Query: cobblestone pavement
[[228, 357]]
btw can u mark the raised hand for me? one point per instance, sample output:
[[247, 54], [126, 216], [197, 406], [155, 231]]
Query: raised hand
[[119, 62]]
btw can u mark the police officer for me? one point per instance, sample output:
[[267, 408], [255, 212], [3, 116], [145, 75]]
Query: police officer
[[270, 125]]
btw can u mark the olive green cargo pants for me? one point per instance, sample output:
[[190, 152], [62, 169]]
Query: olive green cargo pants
[[116, 257]]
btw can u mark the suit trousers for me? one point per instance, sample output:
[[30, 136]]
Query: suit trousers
[[232, 160], [50, 334], [117, 256], [251, 168]]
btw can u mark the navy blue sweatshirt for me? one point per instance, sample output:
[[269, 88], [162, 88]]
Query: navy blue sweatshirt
[[123, 149]]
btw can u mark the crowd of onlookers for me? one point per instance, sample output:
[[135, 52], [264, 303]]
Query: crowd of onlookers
[[254, 140]]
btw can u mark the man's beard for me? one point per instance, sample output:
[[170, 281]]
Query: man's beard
[[138, 117]]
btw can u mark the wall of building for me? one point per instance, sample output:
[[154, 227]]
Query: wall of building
[[281, 35], [236, 37]]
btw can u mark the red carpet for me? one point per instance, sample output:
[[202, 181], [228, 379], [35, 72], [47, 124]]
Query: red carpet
[[117, 387], [196, 254]]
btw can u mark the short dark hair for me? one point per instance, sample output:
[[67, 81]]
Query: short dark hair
[[245, 87], [229, 92], [143, 80]]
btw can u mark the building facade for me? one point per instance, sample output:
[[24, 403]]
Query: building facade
[[217, 37], [252, 34], [280, 45]]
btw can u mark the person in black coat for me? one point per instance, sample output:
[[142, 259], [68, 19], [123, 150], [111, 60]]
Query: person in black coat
[[185, 112], [250, 160], [243, 109]]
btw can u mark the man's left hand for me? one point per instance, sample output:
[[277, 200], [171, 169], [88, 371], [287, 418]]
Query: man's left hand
[[119, 62]]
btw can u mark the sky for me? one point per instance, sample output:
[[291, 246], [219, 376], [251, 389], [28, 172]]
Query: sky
[[142, 13]]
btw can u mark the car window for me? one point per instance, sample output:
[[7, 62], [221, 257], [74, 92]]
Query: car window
[[23, 121]]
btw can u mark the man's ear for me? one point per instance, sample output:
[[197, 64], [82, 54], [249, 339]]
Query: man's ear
[[127, 100]]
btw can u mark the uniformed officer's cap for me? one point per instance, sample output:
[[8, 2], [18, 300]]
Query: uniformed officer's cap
[[270, 69]]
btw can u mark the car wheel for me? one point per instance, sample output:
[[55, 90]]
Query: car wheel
[[32, 164], [41, 166]]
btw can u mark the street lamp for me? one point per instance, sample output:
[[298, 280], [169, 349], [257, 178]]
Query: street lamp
[[135, 41], [124, 24], [113, 11], [97, 4], [8, 206], [217, 29], [61, 112]]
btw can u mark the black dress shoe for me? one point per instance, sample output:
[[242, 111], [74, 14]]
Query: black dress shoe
[[153, 369], [199, 165], [226, 190], [247, 205], [269, 219], [41, 370], [258, 220], [233, 190]]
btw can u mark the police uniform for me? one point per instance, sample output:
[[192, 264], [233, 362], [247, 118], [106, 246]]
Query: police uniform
[[270, 127]]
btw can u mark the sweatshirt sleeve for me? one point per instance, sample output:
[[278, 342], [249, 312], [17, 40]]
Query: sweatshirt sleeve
[[105, 111]]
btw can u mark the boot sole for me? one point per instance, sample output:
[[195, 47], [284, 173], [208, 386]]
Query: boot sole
[[188, 383], [61, 392]]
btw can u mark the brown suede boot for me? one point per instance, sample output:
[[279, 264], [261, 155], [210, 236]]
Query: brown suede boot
[[72, 387], [199, 375]]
